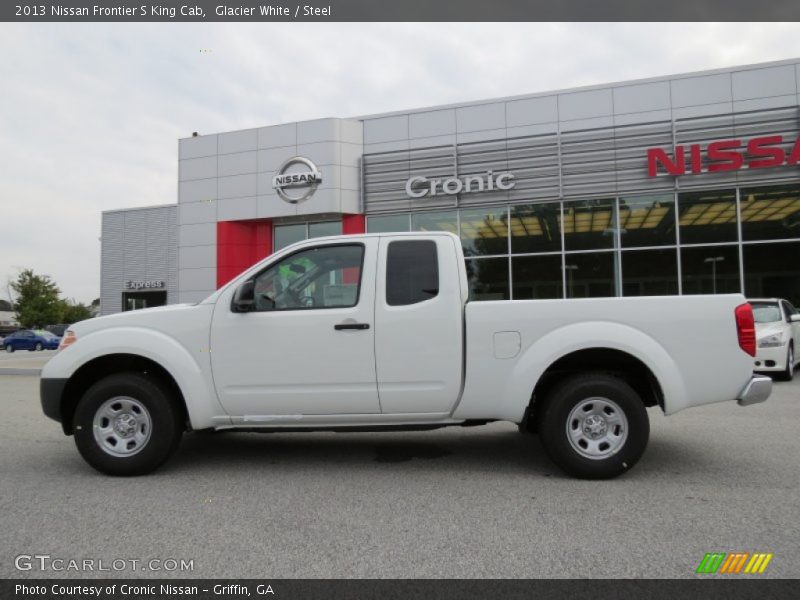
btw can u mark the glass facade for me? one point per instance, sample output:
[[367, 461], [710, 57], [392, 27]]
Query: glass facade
[[700, 242], [285, 235]]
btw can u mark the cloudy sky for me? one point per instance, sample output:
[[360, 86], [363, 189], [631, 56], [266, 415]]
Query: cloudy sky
[[90, 114]]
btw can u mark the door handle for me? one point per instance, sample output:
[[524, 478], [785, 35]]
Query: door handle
[[341, 326]]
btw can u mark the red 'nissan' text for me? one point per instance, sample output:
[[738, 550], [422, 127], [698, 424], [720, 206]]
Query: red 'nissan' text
[[724, 155]]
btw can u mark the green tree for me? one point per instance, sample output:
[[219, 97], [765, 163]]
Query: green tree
[[5, 305], [37, 303], [75, 311]]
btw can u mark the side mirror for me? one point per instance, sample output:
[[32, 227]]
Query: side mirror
[[795, 318], [244, 297]]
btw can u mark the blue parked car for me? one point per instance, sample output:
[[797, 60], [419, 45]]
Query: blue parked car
[[27, 339]]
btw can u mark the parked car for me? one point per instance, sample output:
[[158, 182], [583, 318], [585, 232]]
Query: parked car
[[28, 339], [777, 333], [377, 332], [53, 340]]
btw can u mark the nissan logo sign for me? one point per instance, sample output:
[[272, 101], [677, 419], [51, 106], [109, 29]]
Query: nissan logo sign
[[293, 185]]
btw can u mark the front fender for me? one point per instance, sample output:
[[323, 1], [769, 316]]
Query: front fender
[[190, 369], [583, 336]]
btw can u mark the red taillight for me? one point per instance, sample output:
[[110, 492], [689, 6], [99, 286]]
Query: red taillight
[[746, 328]]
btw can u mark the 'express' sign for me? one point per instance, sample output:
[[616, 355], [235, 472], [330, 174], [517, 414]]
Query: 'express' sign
[[154, 284]]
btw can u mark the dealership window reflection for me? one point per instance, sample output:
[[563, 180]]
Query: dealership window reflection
[[590, 224], [650, 272], [636, 244], [536, 228], [770, 213], [647, 220], [707, 217], [537, 277], [488, 279], [484, 231], [710, 270], [435, 221], [288, 234], [590, 274], [772, 270]]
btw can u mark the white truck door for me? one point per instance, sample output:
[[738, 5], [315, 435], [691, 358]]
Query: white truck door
[[418, 325], [307, 345]]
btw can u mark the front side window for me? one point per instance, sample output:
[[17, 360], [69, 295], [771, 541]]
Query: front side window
[[787, 311], [412, 272], [323, 277]]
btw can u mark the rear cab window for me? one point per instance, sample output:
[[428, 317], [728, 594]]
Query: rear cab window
[[412, 272]]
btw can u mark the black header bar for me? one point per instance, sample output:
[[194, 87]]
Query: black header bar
[[65, 11]]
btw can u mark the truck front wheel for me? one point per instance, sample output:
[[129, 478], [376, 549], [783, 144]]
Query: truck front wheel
[[127, 424], [594, 426]]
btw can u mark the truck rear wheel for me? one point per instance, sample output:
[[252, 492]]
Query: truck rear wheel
[[594, 426], [127, 424]]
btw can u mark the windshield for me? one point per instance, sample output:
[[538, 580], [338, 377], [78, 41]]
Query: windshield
[[766, 312]]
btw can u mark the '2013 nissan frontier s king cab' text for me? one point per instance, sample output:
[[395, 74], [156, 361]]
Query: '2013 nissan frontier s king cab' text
[[375, 332]]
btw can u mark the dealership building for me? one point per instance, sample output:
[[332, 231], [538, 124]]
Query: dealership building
[[685, 184]]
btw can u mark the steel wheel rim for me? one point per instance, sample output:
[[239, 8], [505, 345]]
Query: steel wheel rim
[[122, 426], [597, 428]]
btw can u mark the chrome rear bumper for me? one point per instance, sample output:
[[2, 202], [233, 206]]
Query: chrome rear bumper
[[757, 390]]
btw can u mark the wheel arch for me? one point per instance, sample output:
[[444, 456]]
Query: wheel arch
[[596, 345], [113, 349], [110, 364], [611, 361]]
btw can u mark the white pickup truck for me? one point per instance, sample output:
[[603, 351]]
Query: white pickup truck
[[375, 332]]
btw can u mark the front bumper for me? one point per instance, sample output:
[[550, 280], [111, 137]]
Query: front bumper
[[51, 392], [771, 359], [757, 390]]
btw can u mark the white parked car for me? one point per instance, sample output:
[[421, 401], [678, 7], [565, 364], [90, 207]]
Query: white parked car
[[777, 334], [376, 332]]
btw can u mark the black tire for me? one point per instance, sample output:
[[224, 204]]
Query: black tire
[[38, 347], [165, 416], [554, 420], [788, 373], [9, 348]]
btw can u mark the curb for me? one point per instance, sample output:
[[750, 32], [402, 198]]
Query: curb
[[29, 372]]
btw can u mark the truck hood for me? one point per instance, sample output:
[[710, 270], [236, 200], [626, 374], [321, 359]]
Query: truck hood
[[134, 318]]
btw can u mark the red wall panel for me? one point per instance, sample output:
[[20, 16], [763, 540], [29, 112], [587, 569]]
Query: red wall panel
[[240, 244], [354, 224]]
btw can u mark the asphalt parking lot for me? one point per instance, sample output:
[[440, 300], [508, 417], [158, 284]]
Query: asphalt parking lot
[[24, 362], [455, 503]]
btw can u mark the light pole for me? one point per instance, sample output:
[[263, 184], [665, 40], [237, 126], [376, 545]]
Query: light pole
[[714, 260], [570, 269]]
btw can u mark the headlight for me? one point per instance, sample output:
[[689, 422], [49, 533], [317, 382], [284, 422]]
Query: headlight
[[68, 339], [771, 341]]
